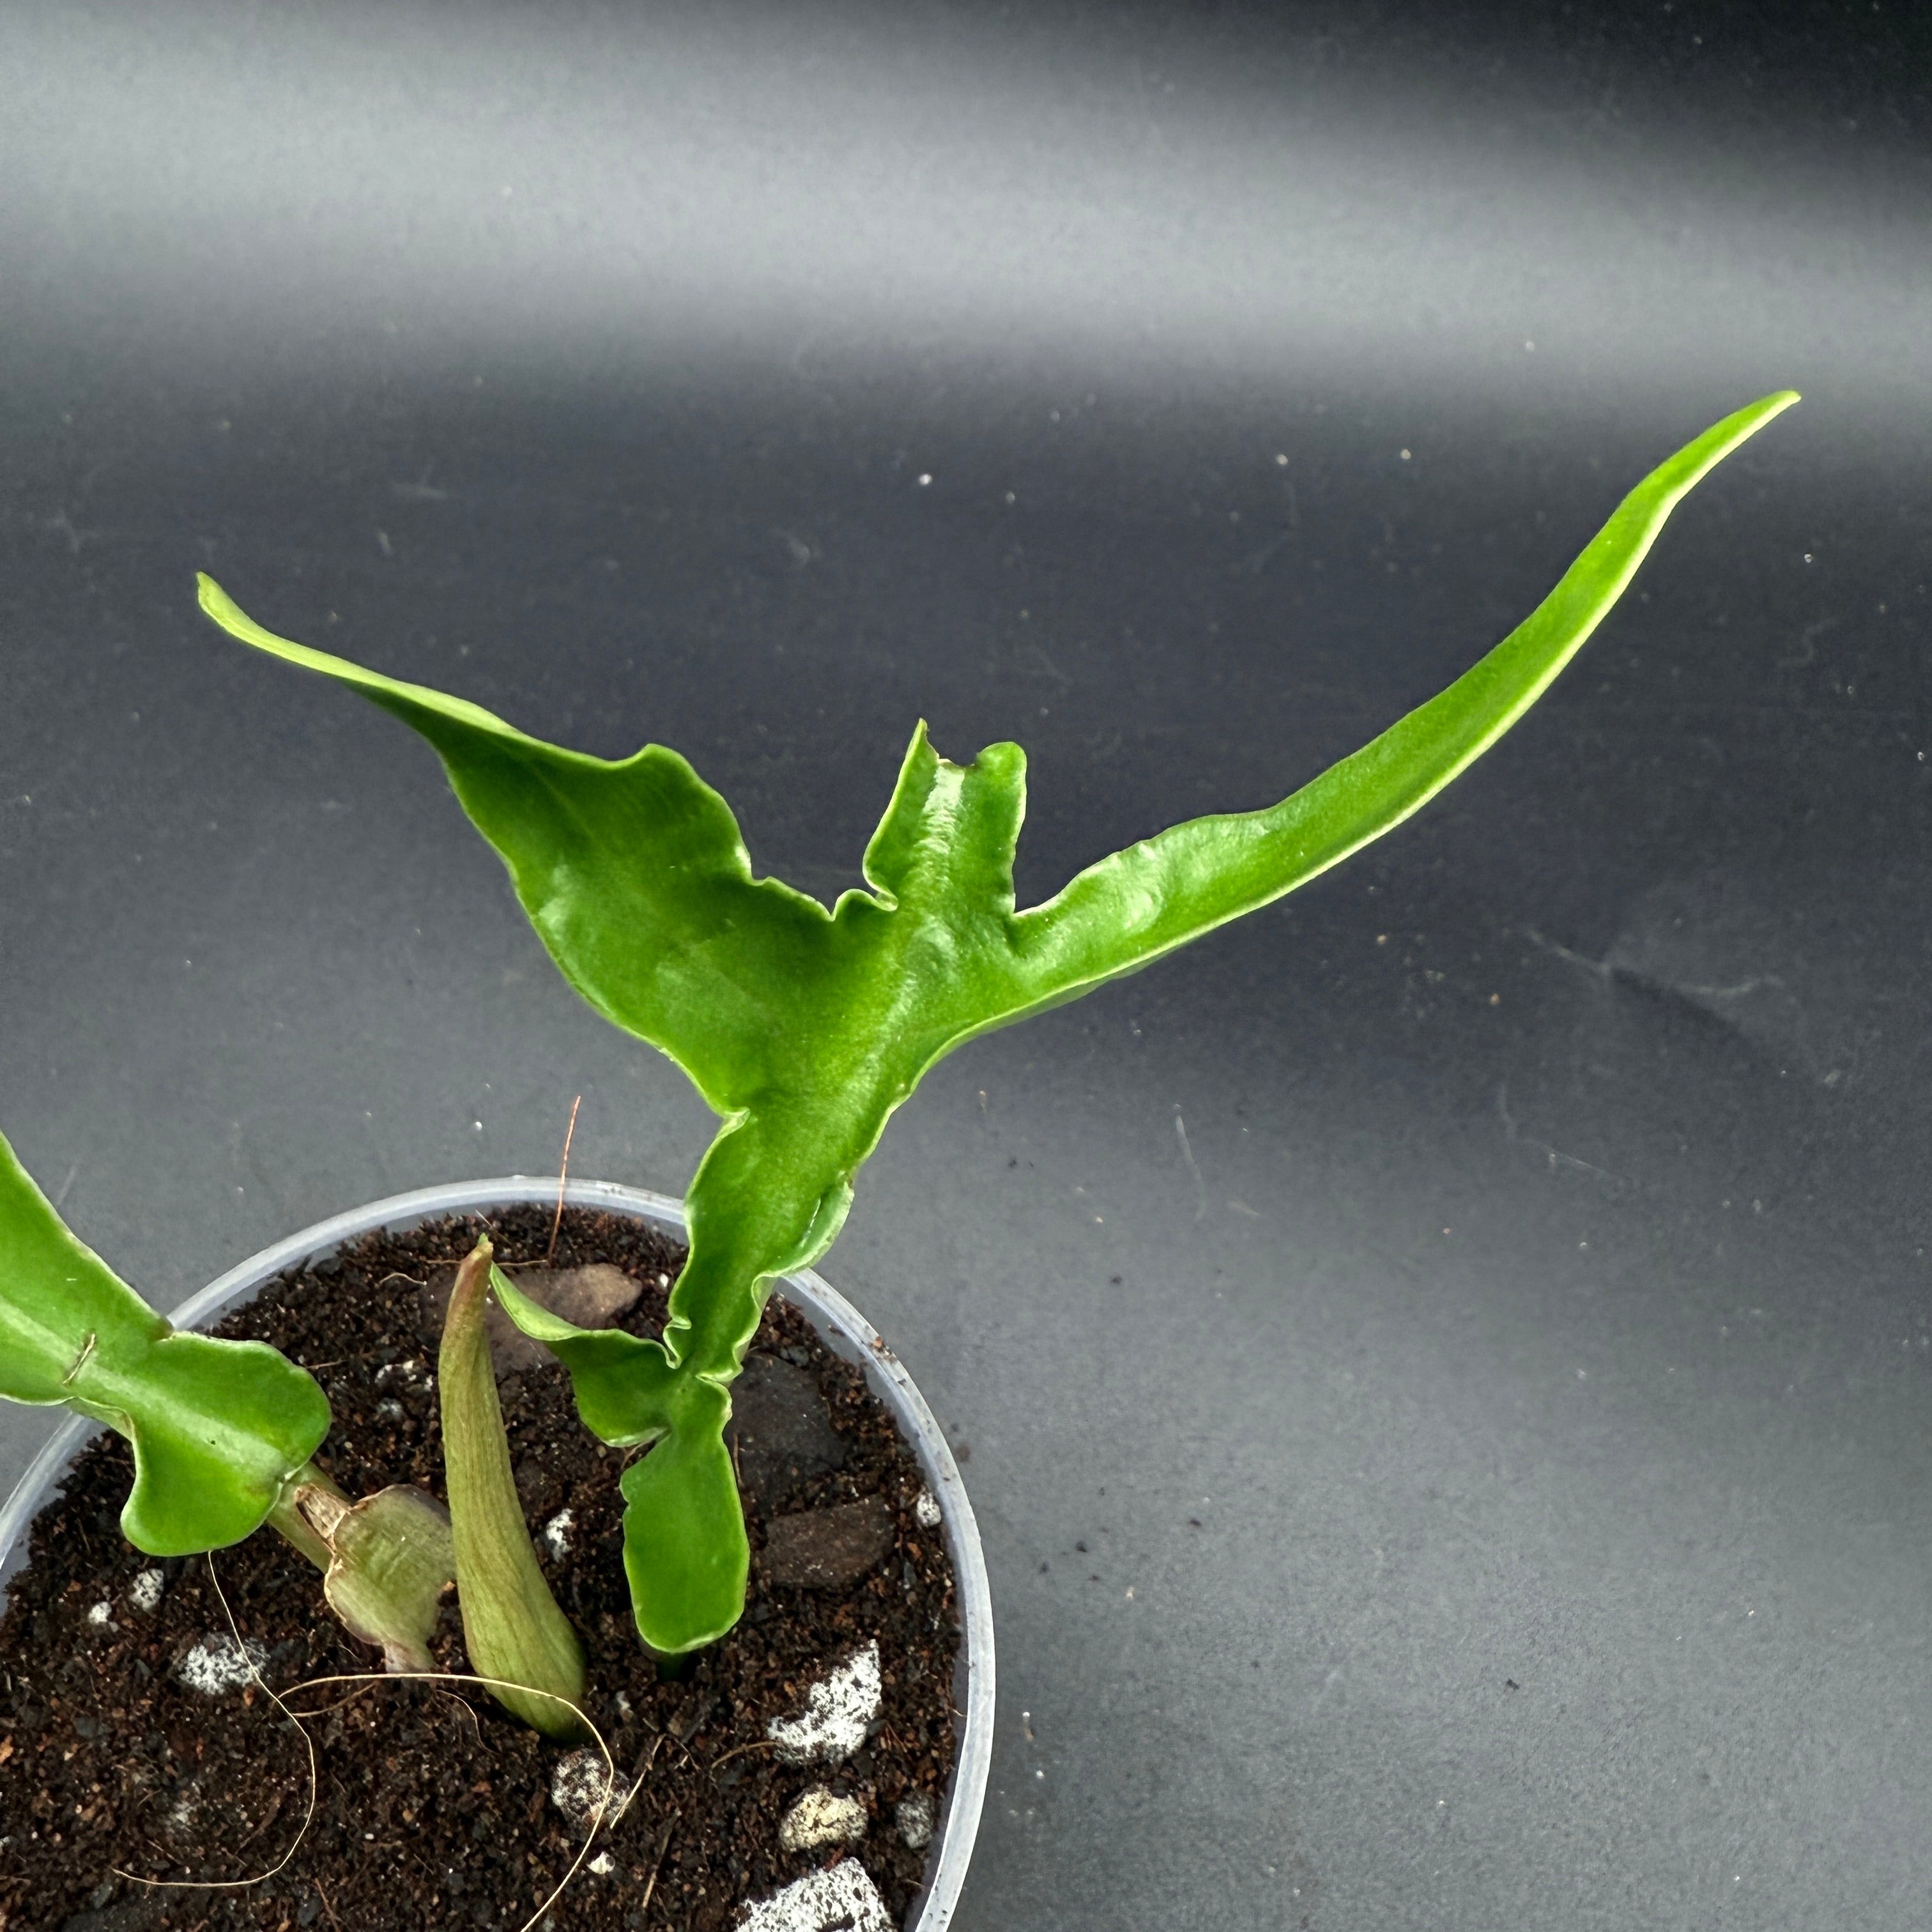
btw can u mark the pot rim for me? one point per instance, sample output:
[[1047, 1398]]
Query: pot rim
[[956, 1828]]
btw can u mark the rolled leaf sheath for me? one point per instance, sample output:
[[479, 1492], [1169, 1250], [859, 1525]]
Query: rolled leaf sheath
[[512, 1625]]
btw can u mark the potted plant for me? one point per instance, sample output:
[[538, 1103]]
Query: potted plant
[[804, 1028], [346, 1288]]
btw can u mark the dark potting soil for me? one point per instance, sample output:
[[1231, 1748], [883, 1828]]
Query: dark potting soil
[[433, 1808]]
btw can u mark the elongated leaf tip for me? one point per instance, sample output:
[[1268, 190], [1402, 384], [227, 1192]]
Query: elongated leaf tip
[[1767, 408], [216, 603]]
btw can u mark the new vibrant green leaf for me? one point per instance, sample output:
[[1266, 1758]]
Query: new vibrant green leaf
[[806, 1028], [218, 1427]]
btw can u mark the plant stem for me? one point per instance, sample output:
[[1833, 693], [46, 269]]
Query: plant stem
[[287, 1517], [386, 1560]]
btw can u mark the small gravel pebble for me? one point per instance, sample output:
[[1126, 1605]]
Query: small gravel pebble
[[914, 1816], [822, 1817], [837, 1710]]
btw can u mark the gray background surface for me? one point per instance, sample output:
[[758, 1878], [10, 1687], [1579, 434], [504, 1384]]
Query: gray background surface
[[1444, 1361]]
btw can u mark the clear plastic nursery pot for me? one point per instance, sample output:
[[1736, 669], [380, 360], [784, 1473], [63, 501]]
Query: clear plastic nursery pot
[[840, 1326]]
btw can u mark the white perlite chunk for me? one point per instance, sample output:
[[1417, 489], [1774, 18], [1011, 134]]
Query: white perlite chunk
[[556, 1535], [837, 1709], [219, 1664], [603, 1864], [844, 1897], [926, 1510], [915, 1815], [101, 1613], [577, 1788], [144, 1592], [821, 1817]]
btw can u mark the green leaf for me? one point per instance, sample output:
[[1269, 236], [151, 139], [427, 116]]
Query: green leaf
[[686, 1555], [633, 873], [685, 1550], [806, 1029], [218, 1428], [1132, 908], [624, 1385]]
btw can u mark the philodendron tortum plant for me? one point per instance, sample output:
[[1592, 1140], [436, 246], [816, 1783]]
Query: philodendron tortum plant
[[804, 1028]]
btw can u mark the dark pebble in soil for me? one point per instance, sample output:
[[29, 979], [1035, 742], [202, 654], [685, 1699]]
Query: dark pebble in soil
[[131, 1915], [826, 1549], [781, 1431]]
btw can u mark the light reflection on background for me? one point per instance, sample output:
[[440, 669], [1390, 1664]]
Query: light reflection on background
[[387, 190]]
